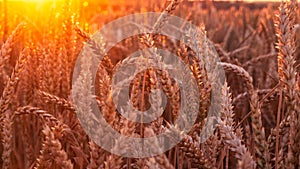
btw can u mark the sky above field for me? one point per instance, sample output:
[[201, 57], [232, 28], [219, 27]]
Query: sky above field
[[191, 0]]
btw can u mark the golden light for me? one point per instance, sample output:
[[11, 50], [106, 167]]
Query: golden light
[[85, 4], [31, 0]]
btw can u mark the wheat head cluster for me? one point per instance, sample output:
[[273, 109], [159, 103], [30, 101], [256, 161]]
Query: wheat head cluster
[[259, 102]]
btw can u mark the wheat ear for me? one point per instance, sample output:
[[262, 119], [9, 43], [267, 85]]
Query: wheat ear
[[285, 20]]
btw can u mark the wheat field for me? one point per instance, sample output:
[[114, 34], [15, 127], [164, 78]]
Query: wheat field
[[258, 47]]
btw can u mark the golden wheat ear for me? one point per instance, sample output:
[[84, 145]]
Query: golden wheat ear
[[286, 45], [7, 48], [6, 116], [228, 134], [52, 152]]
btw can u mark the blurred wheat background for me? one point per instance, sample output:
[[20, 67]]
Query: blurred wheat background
[[258, 45]]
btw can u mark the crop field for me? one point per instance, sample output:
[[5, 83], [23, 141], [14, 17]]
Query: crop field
[[225, 93]]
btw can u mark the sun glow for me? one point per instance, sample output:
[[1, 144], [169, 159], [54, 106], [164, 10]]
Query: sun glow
[[31, 0]]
